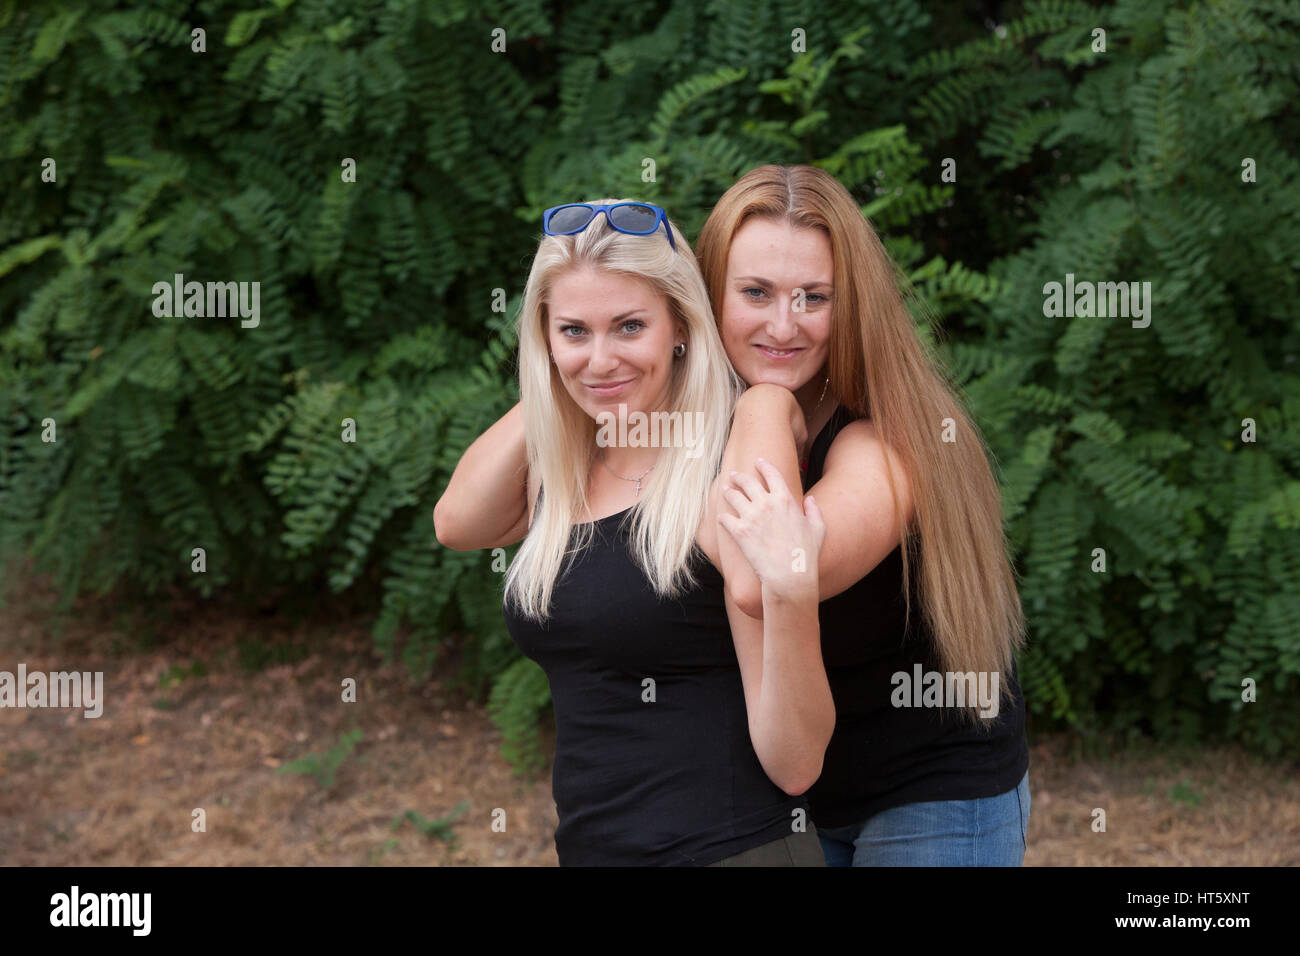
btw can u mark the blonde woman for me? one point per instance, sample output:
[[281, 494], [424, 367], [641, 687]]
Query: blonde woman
[[928, 764], [686, 732]]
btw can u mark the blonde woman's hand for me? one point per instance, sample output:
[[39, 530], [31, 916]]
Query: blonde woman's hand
[[779, 537]]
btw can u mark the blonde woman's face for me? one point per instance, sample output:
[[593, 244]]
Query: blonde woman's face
[[774, 270], [612, 337]]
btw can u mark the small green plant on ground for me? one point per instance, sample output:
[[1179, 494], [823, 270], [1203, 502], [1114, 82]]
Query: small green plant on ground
[[324, 767]]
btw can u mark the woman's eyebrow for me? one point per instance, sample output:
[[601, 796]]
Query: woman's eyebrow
[[759, 280], [614, 321]]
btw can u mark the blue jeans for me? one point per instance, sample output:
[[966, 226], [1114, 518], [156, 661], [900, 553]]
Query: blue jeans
[[986, 832]]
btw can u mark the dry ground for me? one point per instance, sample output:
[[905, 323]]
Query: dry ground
[[120, 789]]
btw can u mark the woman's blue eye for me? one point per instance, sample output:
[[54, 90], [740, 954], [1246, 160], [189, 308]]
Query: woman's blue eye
[[810, 297], [635, 325]]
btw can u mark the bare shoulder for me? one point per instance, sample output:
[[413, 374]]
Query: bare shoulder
[[860, 455]]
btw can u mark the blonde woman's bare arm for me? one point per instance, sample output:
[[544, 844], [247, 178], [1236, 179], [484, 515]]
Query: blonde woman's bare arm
[[787, 695], [486, 503]]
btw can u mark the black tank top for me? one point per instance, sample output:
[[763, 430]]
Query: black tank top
[[882, 756], [669, 782]]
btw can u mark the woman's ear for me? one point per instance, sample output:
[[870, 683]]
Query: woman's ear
[[680, 332]]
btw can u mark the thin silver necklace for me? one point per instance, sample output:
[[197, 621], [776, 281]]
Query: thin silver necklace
[[803, 461], [822, 399], [637, 479]]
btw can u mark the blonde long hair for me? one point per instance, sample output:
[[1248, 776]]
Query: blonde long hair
[[561, 437], [880, 369]]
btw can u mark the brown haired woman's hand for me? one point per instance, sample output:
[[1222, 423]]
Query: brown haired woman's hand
[[779, 537]]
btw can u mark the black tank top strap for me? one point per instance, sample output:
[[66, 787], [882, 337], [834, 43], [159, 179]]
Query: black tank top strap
[[822, 445]]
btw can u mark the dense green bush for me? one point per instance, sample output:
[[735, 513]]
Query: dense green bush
[[388, 300], [1137, 163]]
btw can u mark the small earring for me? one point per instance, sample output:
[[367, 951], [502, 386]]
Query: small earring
[[552, 354], [679, 349]]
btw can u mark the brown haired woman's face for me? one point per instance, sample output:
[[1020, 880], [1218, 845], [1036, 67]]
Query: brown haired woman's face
[[612, 337], [776, 303]]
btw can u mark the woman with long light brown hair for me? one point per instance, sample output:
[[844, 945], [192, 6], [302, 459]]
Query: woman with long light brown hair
[[920, 617]]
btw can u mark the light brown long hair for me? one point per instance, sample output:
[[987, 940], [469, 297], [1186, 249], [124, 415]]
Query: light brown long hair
[[880, 369]]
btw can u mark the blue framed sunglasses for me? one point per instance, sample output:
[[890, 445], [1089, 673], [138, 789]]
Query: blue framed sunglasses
[[633, 218]]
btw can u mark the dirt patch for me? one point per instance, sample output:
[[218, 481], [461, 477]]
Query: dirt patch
[[187, 725], [1207, 807]]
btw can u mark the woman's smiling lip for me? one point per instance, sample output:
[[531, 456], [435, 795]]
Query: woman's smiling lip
[[609, 388], [778, 355]]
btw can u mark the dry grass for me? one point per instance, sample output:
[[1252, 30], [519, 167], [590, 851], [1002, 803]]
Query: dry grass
[[1211, 807], [120, 789]]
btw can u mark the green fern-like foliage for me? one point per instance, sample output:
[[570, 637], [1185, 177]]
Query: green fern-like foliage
[[171, 434], [1128, 443], [519, 692]]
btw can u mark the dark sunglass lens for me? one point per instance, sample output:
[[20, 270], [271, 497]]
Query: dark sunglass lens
[[636, 219], [570, 219]]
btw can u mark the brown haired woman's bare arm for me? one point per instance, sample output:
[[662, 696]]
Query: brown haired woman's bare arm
[[853, 493], [486, 503], [767, 423]]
